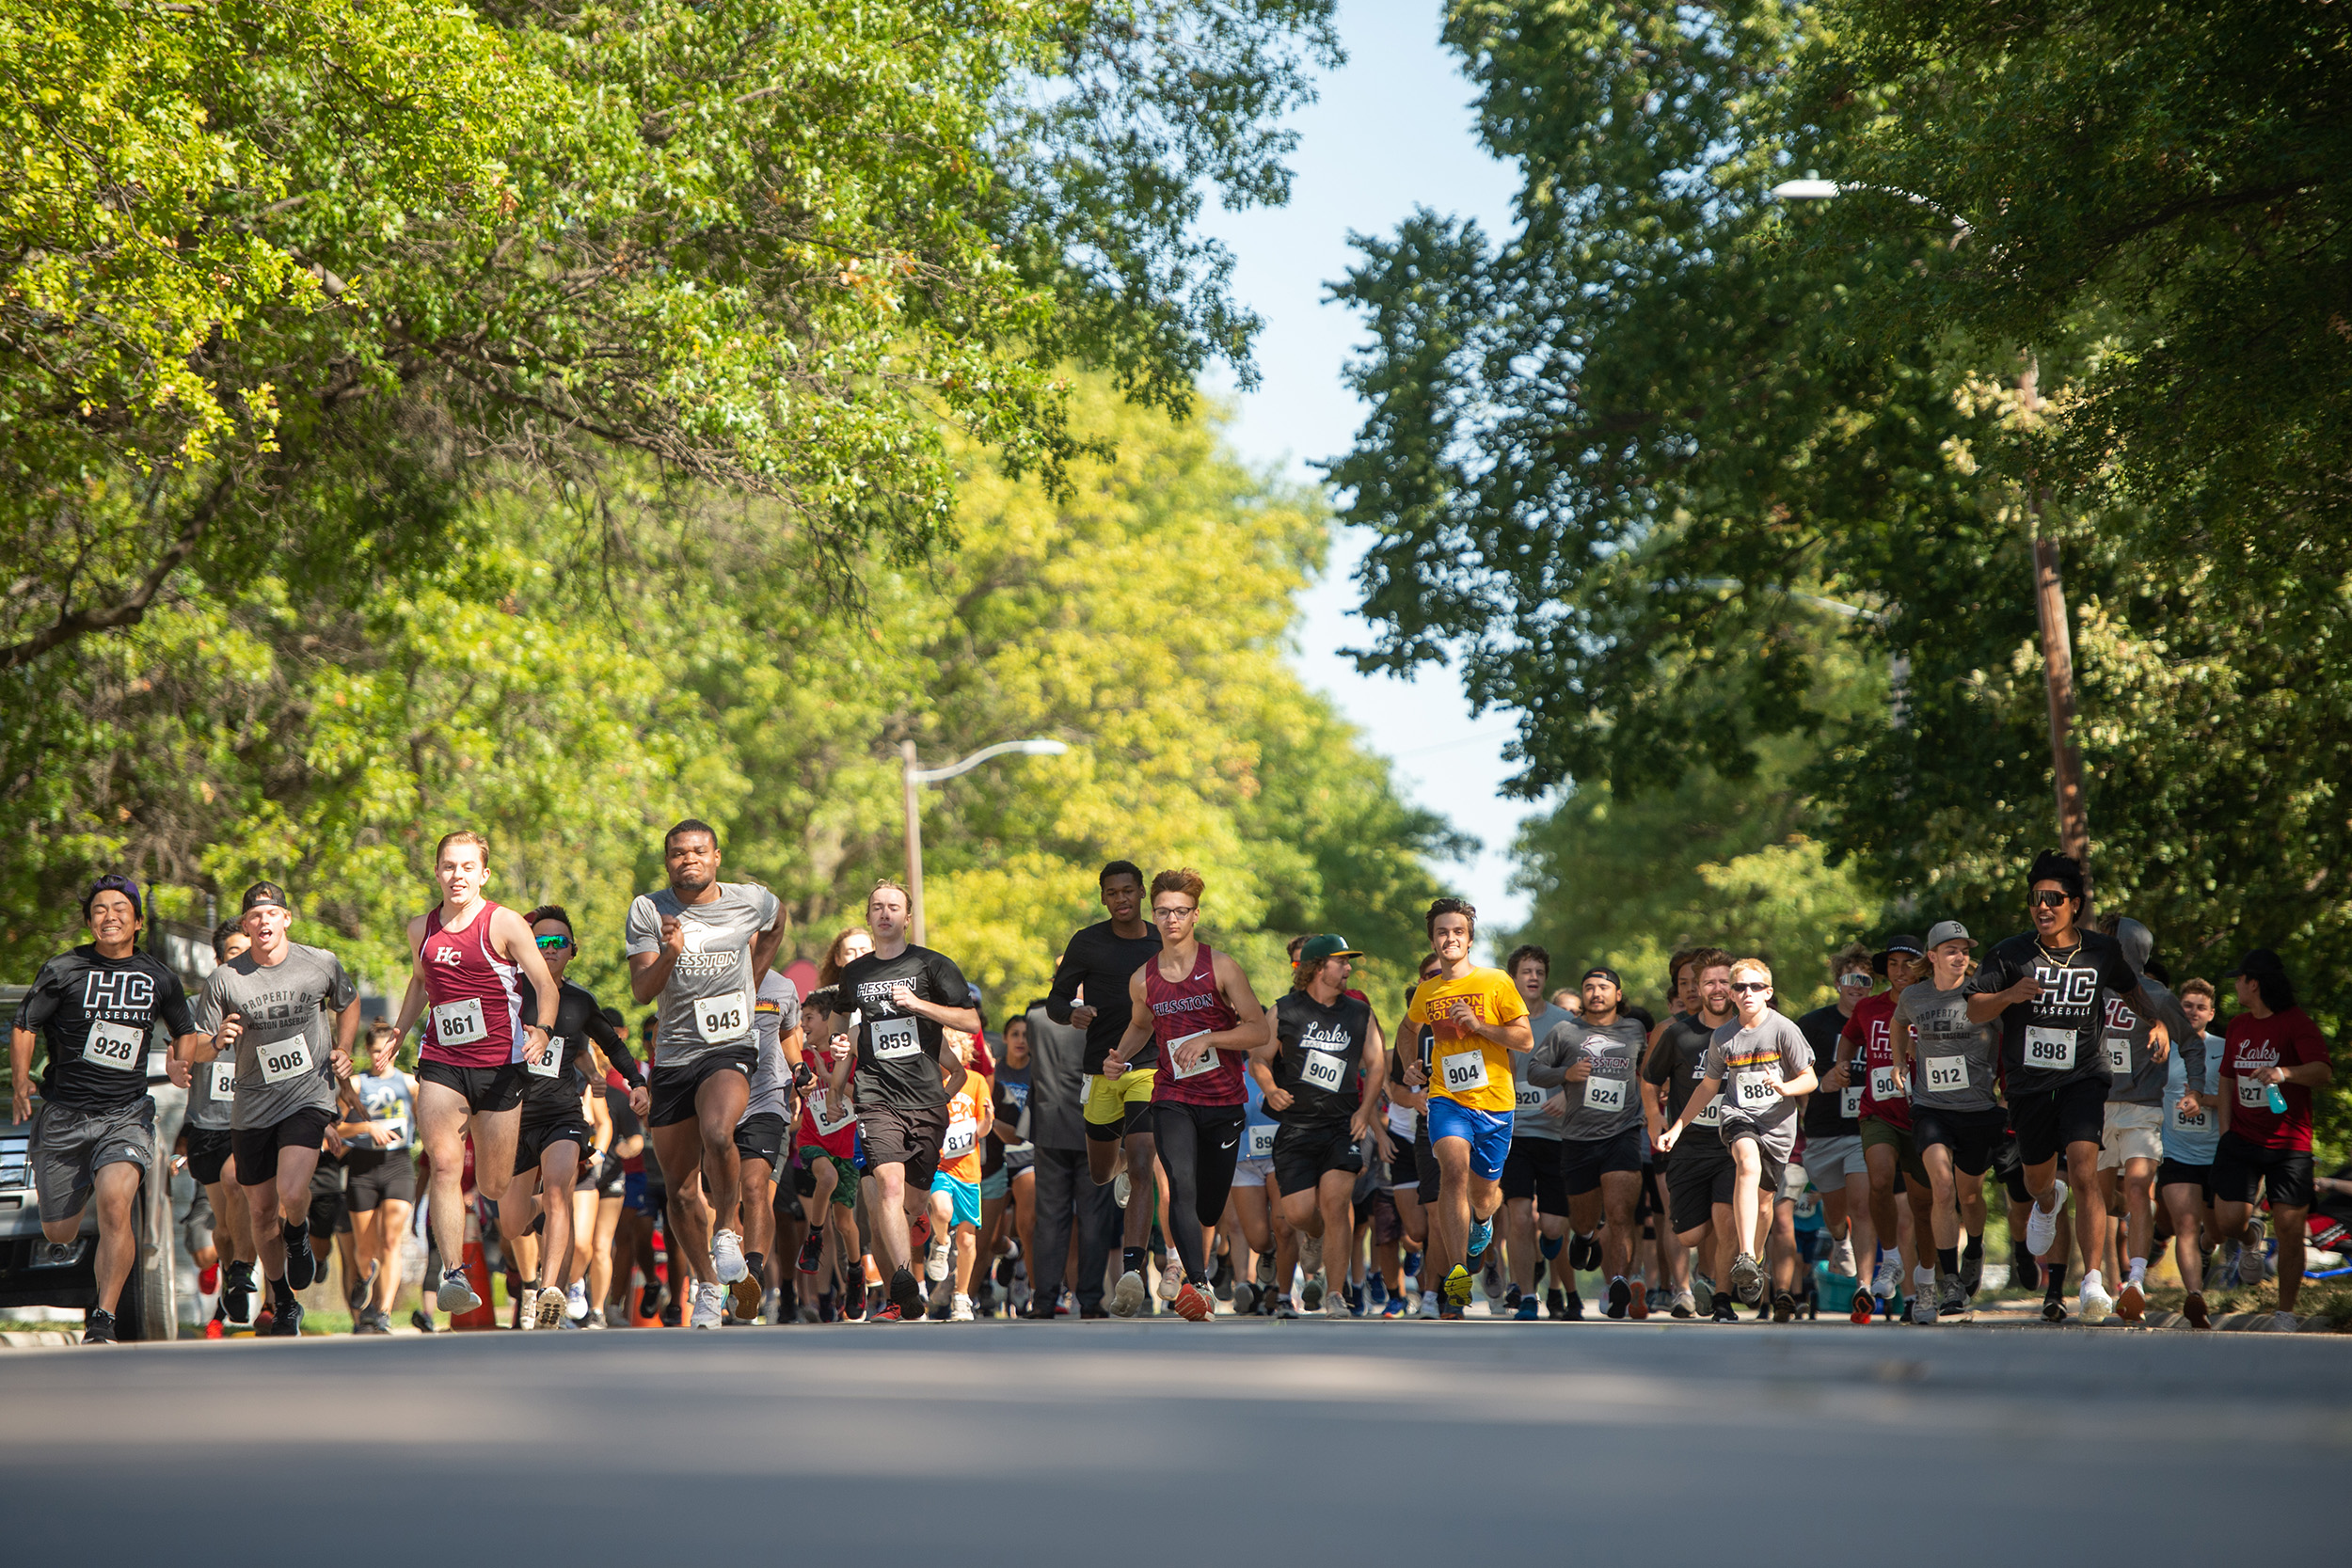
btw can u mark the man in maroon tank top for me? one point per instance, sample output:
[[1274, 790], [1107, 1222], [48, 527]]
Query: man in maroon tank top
[[1197, 1003], [472, 958]]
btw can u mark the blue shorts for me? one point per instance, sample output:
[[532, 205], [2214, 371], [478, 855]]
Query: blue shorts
[[634, 1190], [1488, 1133], [967, 1200]]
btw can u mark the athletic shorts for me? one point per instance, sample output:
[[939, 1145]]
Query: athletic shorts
[[1585, 1161], [675, 1088], [2011, 1168], [485, 1089], [1487, 1132], [633, 1193], [761, 1137], [534, 1138], [907, 1136], [1829, 1161], [1303, 1152], [378, 1174], [1886, 1134], [1771, 1156], [2174, 1173], [996, 1183], [2131, 1132], [208, 1151], [964, 1200], [2240, 1169], [71, 1146], [257, 1148], [1699, 1179], [2049, 1120], [1252, 1173], [1531, 1170], [1114, 1107], [845, 1175], [1973, 1136], [1388, 1225]]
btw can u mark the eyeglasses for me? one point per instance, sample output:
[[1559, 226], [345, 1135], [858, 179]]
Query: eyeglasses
[[1745, 987], [1857, 977], [554, 941], [2044, 899], [1174, 914]]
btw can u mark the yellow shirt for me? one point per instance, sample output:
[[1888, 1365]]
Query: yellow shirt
[[1482, 1085]]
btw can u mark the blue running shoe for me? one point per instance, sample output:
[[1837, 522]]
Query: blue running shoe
[[1482, 1232], [1526, 1314], [1395, 1307]]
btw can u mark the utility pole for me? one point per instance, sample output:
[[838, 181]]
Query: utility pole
[[2058, 651], [914, 841]]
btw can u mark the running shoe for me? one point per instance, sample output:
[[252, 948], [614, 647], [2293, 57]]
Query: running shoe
[[1972, 1269], [1886, 1279], [302, 1264], [1395, 1308], [960, 1310], [2253, 1262], [650, 1299], [1245, 1299], [1429, 1303], [1527, 1310], [1334, 1304], [208, 1280], [98, 1328], [1954, 1302], [422, 1321], [1784, 1307], [853, 1307], [1841, 1257], [1490, 1278], [889, 1314], [811, 1253], [1450, 1314], [1458, 1285], [1193, 1303], [1221, 1282], [2054, 1310], [905, 1294], [1354, 1295], [236, 1291], [2193, 1309], [1861, 1311], [1640, 1307], [2092, 1300], [2042, 1225], [548, 1310], [356, 1296], [1923, 1305], [286, 1323], [455, 1294], [1512, 1295], [1127, 1296], [746, 1296], [1747, 1279], [1482, 1232], [1310, 1293], [1121, 1188], [726, 1257], [935, 1260], [1620, 1300], [1412, 1264], [2131, 1303], [1685, 1304], [711, 1298], [1584, 1254], [576, 1301], [1172, 1277], [1572, 1308], [1724, 1311], [1283, 1310]]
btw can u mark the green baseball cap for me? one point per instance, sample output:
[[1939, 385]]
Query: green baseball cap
[[1323, 948]]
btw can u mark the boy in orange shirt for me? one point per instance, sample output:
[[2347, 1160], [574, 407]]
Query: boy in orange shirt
[[956, 1196]]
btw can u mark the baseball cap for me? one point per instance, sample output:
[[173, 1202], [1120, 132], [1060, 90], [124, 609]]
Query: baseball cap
[[113, 881], [2258, 960], [1947, 930], [1323, 948], [1901, 942], [1604, 972], [265, 895]]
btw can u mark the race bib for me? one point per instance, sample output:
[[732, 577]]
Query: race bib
[[547, 1061], [1850, 1102], [2191, 1121], [221, 1084], [1883, 1083], [1528, 1098], [1322, 1069], [1261, 1142], [2118, 1055], [721, 1018], [1206, 1063], [1758, 1093], [119, 1046], [1604, 1094], [289, 1059], [2049, 1049], [1712, 1116], [2252, 1095], [1464, 1070], [892, 1038], [460, 1023], [963, 1134], [1947, 1074], [828, 1121]]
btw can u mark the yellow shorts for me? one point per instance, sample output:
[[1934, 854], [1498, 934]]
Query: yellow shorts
[[1117, 1106]]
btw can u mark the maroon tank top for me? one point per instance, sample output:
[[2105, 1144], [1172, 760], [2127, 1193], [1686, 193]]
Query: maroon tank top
[[1188, 1007], [476, 998]]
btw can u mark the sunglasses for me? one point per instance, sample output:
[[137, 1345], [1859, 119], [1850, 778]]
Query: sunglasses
[[1856, 977], [554, 943], [1745, 987], [2044, 899]]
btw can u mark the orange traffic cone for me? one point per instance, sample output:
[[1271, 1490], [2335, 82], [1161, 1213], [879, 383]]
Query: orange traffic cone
[[477, 1275]]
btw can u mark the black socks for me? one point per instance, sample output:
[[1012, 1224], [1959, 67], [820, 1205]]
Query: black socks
[[1131, 1259], [1948, 1258]]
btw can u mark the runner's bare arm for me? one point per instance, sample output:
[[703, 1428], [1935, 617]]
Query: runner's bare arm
[[1252, 1031], [1139, 1028], [1700, 1099], [20, 1043], [346, 1033], [522, 950], [412, 1001], [1376, 1091], [648, 972]]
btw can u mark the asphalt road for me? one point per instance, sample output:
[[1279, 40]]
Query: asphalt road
[[1169, 1442]]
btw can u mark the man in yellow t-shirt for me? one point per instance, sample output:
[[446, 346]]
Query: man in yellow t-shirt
[[1476, 1017]]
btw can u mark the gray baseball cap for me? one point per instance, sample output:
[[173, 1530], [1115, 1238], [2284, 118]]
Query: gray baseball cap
[[1947, 930]]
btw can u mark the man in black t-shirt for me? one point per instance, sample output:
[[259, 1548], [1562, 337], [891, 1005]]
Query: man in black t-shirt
[[1325, 1038], [96, 1006], [904, 997], [1699, 1175]]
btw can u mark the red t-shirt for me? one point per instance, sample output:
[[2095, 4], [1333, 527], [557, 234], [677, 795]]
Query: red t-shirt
[[2288, 1039], [1874, 1049]]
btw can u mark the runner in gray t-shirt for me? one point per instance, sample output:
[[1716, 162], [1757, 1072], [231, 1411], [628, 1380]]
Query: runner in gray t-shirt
[[702, 946], [1594, 1060], [1535, 1219], [1952, 1067], [760, 1134]]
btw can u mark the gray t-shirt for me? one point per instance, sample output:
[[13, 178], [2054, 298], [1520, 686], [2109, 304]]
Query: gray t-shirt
[[1954, 1062], [706, 1006], [1745, 1059], [1609, 1100], [289, 1010], [1527, 1114], [776, 1014], [2135, 1077]]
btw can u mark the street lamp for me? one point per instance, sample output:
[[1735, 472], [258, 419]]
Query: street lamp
[[2057, 647], [916, 776]]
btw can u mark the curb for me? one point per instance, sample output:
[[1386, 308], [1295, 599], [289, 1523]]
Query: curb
[[26, 1338]]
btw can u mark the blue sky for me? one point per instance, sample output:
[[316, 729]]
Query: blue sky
[[1391, 130]]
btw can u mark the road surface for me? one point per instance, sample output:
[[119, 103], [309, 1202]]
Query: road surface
[[1165, 1442]]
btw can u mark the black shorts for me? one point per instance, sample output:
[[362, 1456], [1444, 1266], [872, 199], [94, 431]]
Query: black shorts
[[1304, 1150], [907, 1136], [1425, 1163], [761, 1137], [208, 1150], [534, 1141], [486, 1089], [1585, 1161], [331, 1204], [2011, 1169], [1698, 1180], [675, 1088], [2241, 1168], [256, 1149], [2048, 1120], [1531, 1170], [2172, 1173], [1652, 1203], [1971, 1135], [378, 1175], [611, 1181]]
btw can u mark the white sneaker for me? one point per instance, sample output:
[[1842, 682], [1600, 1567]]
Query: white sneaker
[[1923, 1298], [2253, 1263], [1841, 1257], [935, 1261], [552, 1306], [1429, 1303], [711, 1299], [1888, 1280], [726, 1257], [2092, 1301], [960, 1311], [2041, 1227], [1335, 1304], [1172, 1277], [1127, 1296], [1120, 1187], [576, 1301], [455, 1294]]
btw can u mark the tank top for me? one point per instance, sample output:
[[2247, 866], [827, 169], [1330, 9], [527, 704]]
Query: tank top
[[1180, 1009], [476, 1000]]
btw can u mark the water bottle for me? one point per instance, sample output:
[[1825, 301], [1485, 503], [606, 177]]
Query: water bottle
[[2278, 1101]]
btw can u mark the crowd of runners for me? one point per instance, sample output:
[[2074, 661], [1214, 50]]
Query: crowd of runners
[[1151, 1135]]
